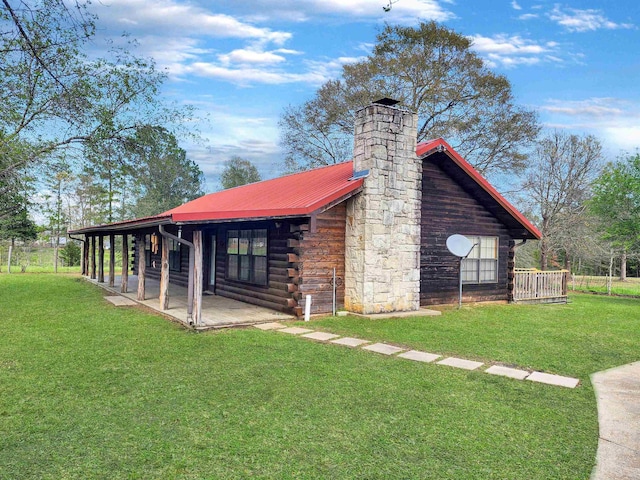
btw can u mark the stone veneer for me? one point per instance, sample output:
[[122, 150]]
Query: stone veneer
[[382, 262]]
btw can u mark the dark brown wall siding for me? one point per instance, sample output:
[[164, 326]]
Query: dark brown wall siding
[[448, 209], [153, 271], [275, 295], [320, 252]]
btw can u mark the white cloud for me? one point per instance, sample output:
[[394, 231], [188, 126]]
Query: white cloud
[[510, 51], [575, 20], [174, 18], [244, 56], [592, 107], [515, 5], [403, 11], [614, 121], [528, 16]]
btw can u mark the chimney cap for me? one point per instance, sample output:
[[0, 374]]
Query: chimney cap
[[386, 101]]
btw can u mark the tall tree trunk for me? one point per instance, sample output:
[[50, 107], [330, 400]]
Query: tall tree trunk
[[10, 253], [623, 266], [543, 253], [610, 277]]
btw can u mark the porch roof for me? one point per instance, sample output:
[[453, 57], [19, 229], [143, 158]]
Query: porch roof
[[296, 195]]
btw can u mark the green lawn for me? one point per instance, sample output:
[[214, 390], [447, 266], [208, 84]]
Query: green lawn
[[91, 391], [586, 283]]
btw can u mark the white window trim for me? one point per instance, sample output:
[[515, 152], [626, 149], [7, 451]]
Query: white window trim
[[477, 240]]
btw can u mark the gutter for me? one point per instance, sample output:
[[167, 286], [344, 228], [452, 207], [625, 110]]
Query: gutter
[[192, 258]]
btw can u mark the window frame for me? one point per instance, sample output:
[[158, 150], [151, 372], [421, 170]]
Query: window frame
[[476, 262], [247, 260]]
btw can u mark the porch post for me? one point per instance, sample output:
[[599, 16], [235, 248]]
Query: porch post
[[93, 257], [142, 266], [164, 275], [85, 256], [124, 281], [100, 259], [197, 276], [112, 260], [511, 269]]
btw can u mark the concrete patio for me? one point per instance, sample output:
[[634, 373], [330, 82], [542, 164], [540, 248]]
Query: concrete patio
[[217, 312]]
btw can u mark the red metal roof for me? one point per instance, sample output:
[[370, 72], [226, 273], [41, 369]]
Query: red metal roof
[[299, 194], [439, 145], [303, 194]]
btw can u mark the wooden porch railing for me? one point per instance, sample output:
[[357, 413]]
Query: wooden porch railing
[[532, 285]]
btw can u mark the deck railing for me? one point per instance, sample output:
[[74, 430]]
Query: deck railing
[[536, 285]]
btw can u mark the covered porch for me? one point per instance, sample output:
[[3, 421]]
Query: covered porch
[[217, 311]]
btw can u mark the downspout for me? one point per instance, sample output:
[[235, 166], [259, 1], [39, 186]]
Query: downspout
[[518, 245], [166, 234]]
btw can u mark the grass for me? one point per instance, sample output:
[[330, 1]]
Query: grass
[[88, 390], [594, 284]]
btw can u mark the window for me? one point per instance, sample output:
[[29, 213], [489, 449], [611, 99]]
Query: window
[[147, 250], [175, 255], [481, 266], [247, 256]]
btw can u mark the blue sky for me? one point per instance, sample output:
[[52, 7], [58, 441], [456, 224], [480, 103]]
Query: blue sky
[[241, 62]]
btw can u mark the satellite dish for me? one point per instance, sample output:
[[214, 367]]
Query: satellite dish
[[459, 245]]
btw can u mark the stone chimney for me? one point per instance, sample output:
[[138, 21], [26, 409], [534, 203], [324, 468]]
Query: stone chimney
[[382, 262]]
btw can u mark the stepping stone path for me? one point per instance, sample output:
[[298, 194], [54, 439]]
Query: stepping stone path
[[350, 341], [295, 330], [383, 348], [322, 336], [557, 380], [120, 301], [460, 363], [418, 356], [507, 372]]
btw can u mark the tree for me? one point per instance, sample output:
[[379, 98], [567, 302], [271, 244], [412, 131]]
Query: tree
[[161, 170], [58, 182], [616, 201], [238, 171], [17, 226], [431, 70], [558, 184], [71, 253], [54, 96]]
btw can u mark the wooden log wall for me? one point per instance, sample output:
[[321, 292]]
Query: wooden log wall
[[321, 251], [154, 271], [447, 209], [280, 293]]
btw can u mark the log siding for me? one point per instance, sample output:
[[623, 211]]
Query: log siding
[[448, 208], [320, 251]]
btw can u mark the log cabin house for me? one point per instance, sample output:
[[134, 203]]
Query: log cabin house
[[381, 221]]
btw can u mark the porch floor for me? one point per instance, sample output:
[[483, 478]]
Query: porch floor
[[217, 311]]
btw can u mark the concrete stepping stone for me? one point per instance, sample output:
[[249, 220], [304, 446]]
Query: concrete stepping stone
[[120, 301], [418, 356], [296, 330], [270, 326], [557, 380], [350, 341], [460, 363], [507, 372], [383, 348], [322, 336]]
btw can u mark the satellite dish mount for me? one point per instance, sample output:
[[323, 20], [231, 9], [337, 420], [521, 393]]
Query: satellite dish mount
[[461, 247]]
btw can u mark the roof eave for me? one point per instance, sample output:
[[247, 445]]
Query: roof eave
[[442, 146], [124, 225]]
